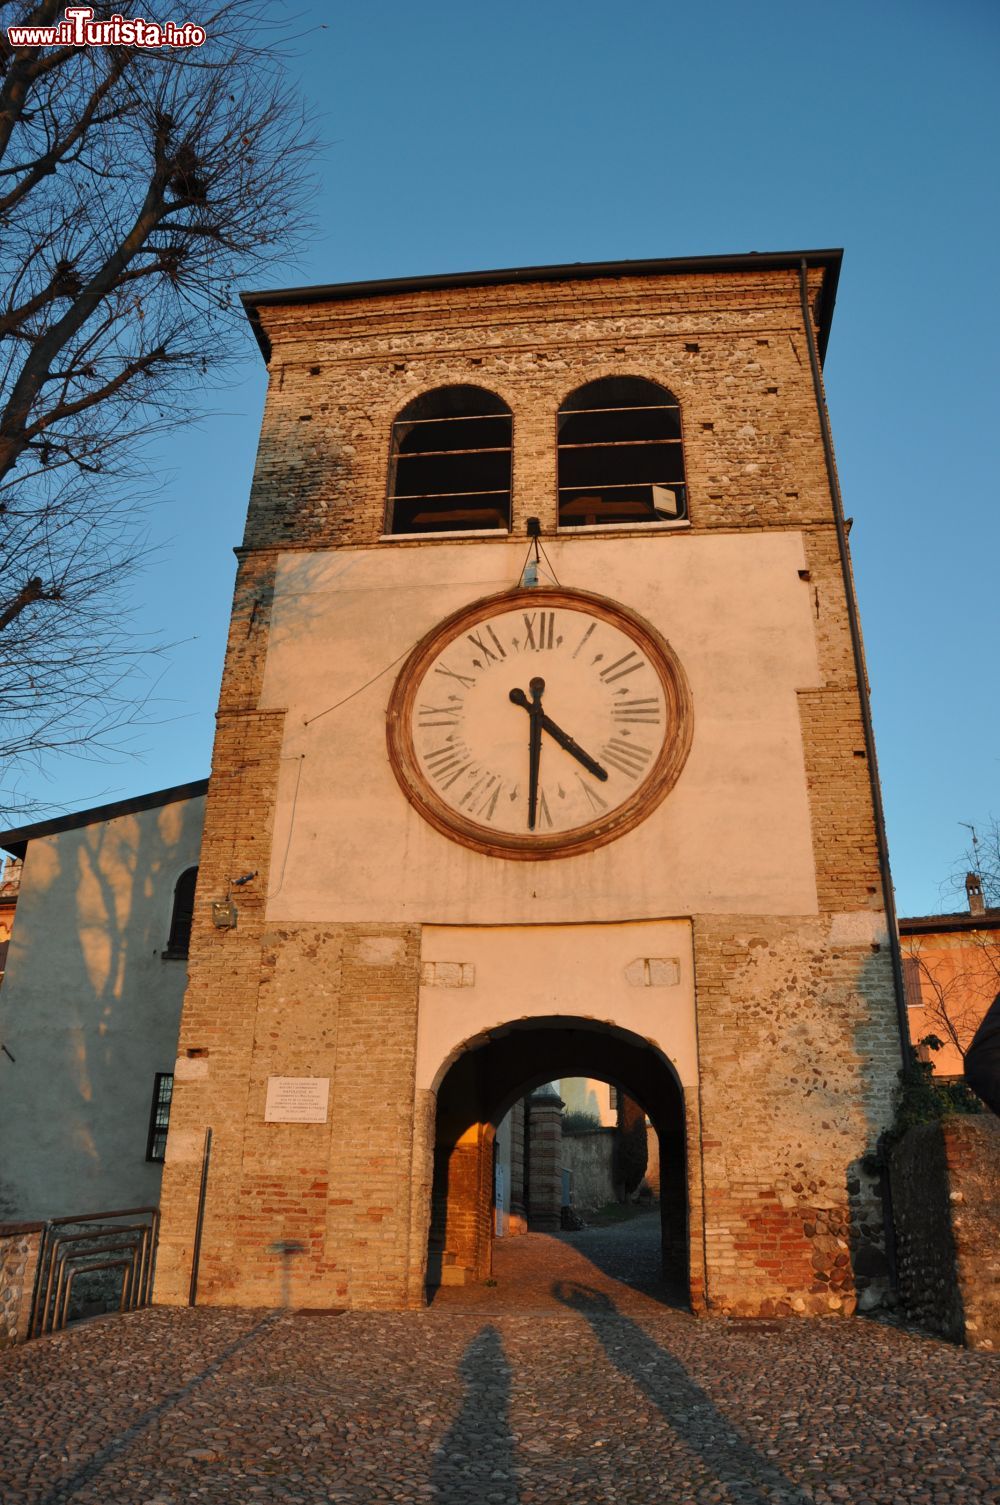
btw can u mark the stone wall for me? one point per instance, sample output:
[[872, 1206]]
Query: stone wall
[[19, 1243], [731, 349], [590, 1156], [946, 1202], [798, 1050]]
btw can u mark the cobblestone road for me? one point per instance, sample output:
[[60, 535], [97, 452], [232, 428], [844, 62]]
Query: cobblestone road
[[584, 1393]]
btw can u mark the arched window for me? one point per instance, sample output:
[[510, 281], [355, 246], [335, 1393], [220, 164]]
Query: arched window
[[620, 454], [449, 469], [183, 913]]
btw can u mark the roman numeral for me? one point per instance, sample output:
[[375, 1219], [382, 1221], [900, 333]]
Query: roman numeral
[[539, 627], [463, 679], [596, 803], [489, 656], [645, 709], [481, 797], [447, 764], [628, 757], [437, 715], [487, 814], [586, 635], [544, 818], [622, 666]]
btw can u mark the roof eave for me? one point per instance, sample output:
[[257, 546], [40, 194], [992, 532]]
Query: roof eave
[[16, 841], [829, 260]]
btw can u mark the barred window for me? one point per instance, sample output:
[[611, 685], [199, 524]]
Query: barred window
[[449, 468], [159, 1115], [621, 459]]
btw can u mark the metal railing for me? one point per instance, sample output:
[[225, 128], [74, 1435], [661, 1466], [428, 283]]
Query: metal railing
[[80, 1245]]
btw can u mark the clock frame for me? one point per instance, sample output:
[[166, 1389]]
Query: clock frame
[[540, 845]]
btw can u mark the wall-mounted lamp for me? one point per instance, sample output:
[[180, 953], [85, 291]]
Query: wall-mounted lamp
[[529, 575]]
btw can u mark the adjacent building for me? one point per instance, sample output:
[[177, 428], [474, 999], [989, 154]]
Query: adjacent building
[[951, 965], [91, 1002]]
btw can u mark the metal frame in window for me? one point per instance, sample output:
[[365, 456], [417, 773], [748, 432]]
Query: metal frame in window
[[159, 1116]]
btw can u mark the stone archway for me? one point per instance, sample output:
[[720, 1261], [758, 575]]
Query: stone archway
[[482, 1080]]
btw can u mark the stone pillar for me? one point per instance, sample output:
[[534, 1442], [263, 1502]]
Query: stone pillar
[[19, 1246], [545, 1159]]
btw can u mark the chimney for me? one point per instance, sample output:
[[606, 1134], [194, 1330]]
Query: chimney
[[974, 893]]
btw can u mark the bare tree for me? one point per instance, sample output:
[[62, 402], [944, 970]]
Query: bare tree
[[956, 988], [982, 859], [955, 975], [136, 186]]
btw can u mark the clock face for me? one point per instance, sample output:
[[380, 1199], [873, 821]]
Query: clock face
[[539, 723]]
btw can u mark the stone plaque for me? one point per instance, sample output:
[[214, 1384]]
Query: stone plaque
[[297, 1099]]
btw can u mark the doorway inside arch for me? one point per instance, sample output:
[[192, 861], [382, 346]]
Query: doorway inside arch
[[507, 1161]]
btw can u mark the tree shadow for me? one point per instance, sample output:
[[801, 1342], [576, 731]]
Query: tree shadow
[[690, 1412], [91, 1010], [476, 1459]]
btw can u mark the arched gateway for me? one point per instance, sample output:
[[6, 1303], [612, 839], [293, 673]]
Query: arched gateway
[[542, 746], [491, 1073]]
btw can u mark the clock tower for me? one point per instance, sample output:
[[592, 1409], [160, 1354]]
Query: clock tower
[[544, 733]]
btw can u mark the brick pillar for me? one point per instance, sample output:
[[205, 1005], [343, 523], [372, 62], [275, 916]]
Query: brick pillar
[[545, 1154], [468, 1215], [518, 1220], [424, 1111]]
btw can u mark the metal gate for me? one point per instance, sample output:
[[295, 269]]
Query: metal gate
[[75, 1247]]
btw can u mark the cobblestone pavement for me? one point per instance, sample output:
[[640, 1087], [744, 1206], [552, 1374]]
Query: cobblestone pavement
[[590, 1393]]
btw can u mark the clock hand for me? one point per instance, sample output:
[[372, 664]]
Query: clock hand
[[534, 710], [536, 687], [545, 723], [572, 747]]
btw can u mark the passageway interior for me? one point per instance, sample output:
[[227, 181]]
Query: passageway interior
[[534, 1193]]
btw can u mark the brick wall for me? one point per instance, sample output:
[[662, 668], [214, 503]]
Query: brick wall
[[731, 349], [545, 1158]]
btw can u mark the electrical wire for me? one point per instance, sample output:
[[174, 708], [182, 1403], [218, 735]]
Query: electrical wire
[[338, 703], [291, 827]]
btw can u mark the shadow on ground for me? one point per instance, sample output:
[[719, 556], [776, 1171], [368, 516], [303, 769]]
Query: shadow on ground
[[476, 1458], [744, 1472]]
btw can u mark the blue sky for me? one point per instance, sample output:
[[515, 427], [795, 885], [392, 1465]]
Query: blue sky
[[470, 136]]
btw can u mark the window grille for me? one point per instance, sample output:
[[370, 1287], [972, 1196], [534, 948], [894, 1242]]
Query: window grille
[[449, 467], [159, 1115], [621, 458], [179, 938]]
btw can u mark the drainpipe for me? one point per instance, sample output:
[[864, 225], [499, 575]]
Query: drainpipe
[[859, 667]]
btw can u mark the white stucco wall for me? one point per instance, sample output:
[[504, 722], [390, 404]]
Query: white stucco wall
[[90, 1012], [733, 836], [531, 971]]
